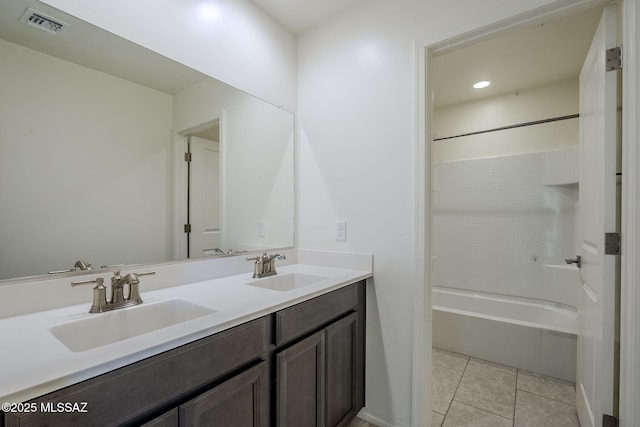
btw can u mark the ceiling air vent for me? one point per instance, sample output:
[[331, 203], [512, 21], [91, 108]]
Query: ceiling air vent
[[43, 22]]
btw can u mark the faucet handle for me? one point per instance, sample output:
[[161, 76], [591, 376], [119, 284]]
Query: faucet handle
[[259, 258], [134, 287], [111, 265], [148, 273], [99, 294], [116, 276], [99, 281], [68, 270]]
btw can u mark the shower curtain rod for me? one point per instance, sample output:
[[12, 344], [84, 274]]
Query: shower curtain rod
[[519, 125]]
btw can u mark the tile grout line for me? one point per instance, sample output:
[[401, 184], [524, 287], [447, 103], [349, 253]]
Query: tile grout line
[[547, 397], [466, 365], [542, 396], [484, 410], [515, 397]]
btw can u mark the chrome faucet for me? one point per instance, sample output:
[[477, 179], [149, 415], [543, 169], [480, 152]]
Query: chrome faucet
[[265, 265], [118, 299]]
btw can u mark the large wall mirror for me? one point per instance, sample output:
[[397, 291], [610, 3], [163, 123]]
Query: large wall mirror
[[94, 132]]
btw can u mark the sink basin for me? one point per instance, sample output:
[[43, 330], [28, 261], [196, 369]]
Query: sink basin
[[113, 326], [286, 282]]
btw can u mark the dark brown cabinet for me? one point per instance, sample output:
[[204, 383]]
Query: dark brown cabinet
[[320, 377], [300, 383], [242, 401], [170, 419], [301, 366], [344, 361]]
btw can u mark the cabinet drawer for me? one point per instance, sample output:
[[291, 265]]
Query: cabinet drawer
[[305, 317], [150, 384]]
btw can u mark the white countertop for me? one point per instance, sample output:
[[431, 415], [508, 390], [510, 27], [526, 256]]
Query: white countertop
[[34, 362]]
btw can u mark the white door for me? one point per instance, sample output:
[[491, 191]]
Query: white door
[[597, 216], [204, 197]]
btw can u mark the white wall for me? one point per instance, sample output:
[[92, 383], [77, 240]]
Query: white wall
[[554, 100], [231, 40], [357, 138], [104, 141]]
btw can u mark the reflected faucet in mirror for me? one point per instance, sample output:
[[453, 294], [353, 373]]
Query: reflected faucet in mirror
[[78, 266], [219, 251]]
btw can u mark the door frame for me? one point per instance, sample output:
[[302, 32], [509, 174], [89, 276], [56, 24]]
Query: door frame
[[180, 179], [630, 226], [630, 274]]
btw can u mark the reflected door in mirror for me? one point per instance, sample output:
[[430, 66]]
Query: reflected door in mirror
[[204, 197]]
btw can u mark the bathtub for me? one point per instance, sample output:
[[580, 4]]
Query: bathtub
[[529, 334]]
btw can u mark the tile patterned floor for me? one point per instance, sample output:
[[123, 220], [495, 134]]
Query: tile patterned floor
[[469, 392]]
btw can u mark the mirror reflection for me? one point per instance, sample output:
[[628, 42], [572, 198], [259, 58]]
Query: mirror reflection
[[111, 154]]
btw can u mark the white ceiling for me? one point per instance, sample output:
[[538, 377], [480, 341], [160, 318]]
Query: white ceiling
[[528, 57], [514, 61], [525, 58], [300, 15]]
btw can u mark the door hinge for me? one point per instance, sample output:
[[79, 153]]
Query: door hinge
[[187, 157], [187, 228], [612, 243], [614, 59]]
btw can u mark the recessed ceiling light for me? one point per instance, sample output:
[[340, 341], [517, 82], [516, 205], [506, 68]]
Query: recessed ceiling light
[[481, 85]]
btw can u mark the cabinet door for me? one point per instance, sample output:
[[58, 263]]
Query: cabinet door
[[300, 383], [344, 367], [170, 419], [241, 401]]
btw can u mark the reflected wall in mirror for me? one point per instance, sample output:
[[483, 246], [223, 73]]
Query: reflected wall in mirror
[[93, 136]]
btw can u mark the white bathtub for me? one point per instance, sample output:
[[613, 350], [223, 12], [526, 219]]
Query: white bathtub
[[529, 334]]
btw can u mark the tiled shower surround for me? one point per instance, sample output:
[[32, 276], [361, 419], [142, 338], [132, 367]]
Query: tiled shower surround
[[497, 222]]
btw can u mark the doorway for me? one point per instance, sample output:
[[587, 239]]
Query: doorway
[[494, 237], [201, 204]]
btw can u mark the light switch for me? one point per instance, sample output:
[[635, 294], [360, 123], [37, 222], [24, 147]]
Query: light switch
[[341, 230], [260, 228]]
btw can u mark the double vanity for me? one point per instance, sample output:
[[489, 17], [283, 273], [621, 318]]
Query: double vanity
[[281, 350], [177, 337]]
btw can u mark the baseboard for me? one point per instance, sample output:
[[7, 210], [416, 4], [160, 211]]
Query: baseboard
[[583, 407], [366, 416]]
